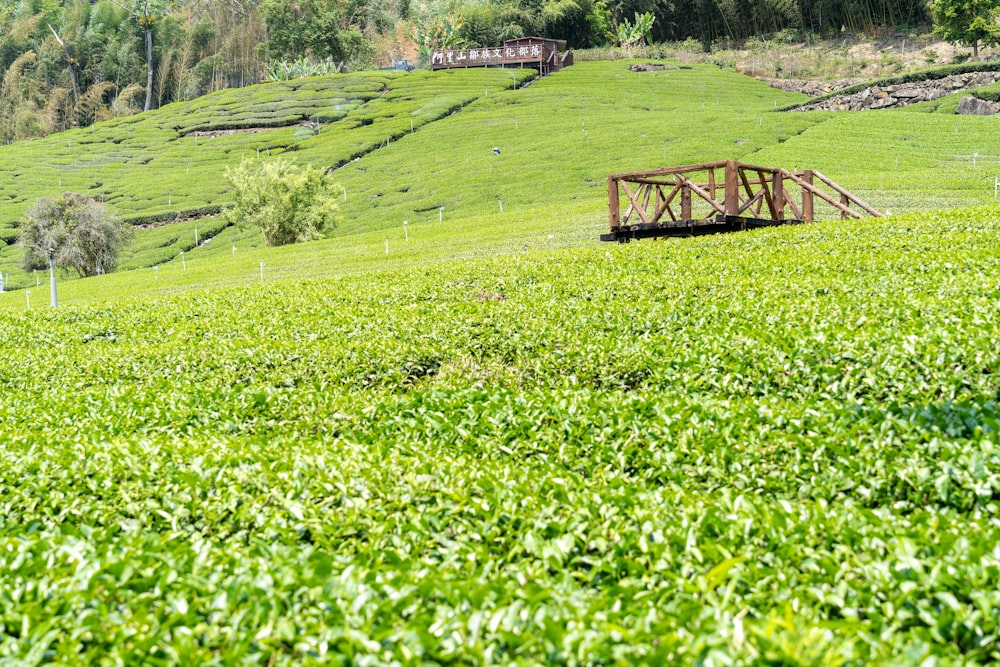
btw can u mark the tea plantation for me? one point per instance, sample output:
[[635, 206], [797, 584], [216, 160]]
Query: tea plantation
[[474, 443]]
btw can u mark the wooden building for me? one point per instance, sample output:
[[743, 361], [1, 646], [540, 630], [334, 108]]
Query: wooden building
[[538, 53]]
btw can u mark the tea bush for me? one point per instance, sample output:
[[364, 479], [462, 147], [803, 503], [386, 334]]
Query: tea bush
[[778, 446]]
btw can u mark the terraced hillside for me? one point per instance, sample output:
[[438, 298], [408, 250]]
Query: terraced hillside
[[167, 165], [402, 153]]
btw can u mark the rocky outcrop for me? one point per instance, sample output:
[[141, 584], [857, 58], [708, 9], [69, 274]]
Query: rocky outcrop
[[973, 106], [655, 67], [903, 94], [810, 88]]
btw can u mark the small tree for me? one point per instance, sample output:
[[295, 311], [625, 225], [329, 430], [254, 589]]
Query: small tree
[[83, 235], [287, 202], [634, 35], [968, 22]]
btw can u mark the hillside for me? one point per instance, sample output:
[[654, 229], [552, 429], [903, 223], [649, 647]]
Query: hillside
[[560, 137]]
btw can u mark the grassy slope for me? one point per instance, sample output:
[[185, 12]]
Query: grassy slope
[[581, 455], [560, 137], [152, 167]]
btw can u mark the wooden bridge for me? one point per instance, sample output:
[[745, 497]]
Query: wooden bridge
[[683, 201]]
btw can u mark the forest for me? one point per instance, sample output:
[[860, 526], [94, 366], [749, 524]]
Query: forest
[[75, 62]]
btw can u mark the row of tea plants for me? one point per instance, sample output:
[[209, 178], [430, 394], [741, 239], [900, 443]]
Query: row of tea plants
[[775, 447]]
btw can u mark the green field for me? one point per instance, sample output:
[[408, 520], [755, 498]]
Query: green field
[[501, 442], [559, 137]]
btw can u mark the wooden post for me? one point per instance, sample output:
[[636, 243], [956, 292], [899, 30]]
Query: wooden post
[[846, 201], [778, 195], [613, 206], [732, 203], [807, 197], [685, 203]]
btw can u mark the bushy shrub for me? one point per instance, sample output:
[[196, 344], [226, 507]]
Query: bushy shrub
[[79, 232], [289, 203]]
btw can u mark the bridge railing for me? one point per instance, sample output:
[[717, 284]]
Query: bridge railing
[[707, 192]]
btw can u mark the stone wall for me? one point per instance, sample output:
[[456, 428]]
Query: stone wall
[[903, 94]]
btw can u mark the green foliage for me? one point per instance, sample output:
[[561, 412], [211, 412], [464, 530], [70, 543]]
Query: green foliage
[[441, 32], [288, 203], [778, 446], [283, 70], [967, 22], [168, 165], [599, 23], [772, 447], [633, 35], [77, 230], [88, 62]]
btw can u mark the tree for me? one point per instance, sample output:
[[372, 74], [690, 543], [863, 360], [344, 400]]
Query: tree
[[632, 35], [287, 202], [967, 22], [308, 28], [70, 63], [81, 232]]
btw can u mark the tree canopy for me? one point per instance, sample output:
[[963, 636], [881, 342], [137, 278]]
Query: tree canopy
[[80, 232], [287, 202], [967, 22]]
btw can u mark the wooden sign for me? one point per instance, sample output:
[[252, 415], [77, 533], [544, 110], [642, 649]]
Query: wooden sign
[[496, 55]]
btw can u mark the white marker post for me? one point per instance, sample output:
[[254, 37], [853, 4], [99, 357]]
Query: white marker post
[[262, 273], [27, 297], [156, 272], [406, 233], [234, 248], [183, 261], [550, 241], [52, 278], [501, 205], [387, 246], [441, 209], [196, 237]]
